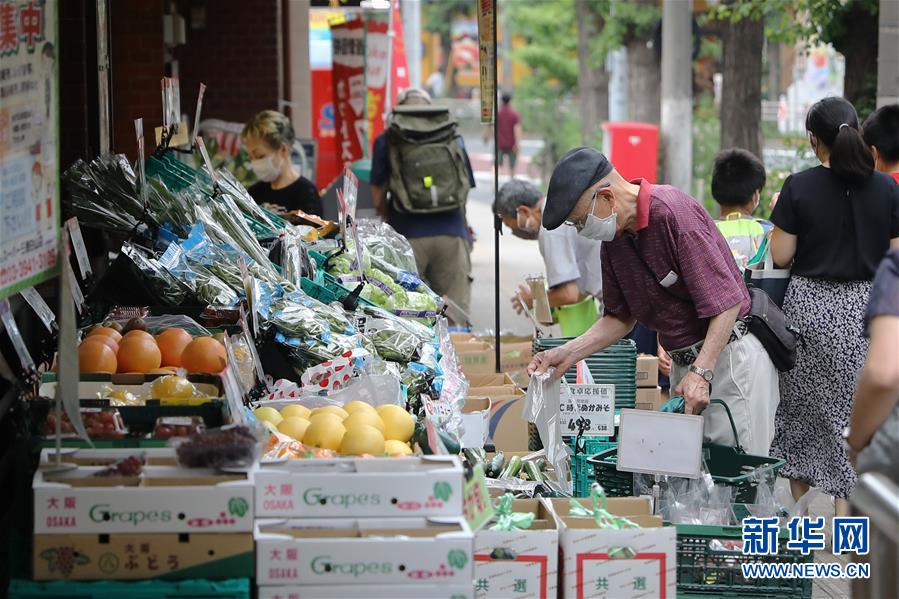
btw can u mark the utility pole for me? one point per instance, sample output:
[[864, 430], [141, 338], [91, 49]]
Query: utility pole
[[677, 93], [888, 54], [411, 11]]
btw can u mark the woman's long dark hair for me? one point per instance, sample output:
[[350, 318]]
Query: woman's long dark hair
[[834, 122]]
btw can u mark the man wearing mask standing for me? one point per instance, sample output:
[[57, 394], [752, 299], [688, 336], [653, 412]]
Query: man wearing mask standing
[[573, 270], [665, 264]]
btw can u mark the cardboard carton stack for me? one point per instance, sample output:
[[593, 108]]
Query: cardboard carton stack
[[519, 563], [166, 522], [649, 394], [622, 563], [477, 355], [503, 400], [354, 527]]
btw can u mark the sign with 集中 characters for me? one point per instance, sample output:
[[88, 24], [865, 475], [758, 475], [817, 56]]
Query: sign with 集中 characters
[[590, 405], [29, 133]]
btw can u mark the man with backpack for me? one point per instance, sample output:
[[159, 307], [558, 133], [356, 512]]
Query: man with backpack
[[420, 178]]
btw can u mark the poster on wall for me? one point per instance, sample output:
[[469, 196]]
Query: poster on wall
[[348, 73], [29, 135]]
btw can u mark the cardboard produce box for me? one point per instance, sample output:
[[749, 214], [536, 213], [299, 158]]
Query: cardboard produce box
[[475, 421], [508, 430], [360, 487], [372, 591], [363, 552], [131, 556], [649, 399], [154, 456], [626, 563], [476, 358], [647, 371], [493, 379], [519, 563], [162, 499], [478, 355]]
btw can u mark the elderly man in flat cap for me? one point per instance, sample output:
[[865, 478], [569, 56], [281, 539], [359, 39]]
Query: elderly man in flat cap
[[665, 264]]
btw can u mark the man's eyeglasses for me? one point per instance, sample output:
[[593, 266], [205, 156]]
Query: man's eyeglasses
[[580, 223]]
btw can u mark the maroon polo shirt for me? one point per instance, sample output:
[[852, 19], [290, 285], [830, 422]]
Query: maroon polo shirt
[[674, 234]]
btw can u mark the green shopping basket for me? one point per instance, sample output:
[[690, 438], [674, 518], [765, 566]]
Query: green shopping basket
[[729, 466], [575, 319]]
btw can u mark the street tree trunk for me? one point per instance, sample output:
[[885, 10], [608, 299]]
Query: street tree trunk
[[644, 73], [593, 80], [741, 90], [859, 47]]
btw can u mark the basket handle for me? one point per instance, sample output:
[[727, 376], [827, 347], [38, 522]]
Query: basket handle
[[733, 425]]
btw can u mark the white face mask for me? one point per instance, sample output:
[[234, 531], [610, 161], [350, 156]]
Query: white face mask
[[599, 229], [265, 168]]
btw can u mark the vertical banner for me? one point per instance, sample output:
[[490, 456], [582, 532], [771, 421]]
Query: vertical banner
[[399, 63], [486, 36], [348, 72], [376, 56], [29, 136]]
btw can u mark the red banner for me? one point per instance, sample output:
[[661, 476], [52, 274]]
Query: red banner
[[323, 128], [348, 72], [400, 65], [376, 50]]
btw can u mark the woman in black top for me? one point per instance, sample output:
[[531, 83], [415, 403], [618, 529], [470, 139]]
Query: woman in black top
[[834, 223], [268, 137]]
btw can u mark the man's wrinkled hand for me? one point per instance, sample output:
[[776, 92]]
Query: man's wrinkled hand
[[695, 391], [524, 292], [559, 358]]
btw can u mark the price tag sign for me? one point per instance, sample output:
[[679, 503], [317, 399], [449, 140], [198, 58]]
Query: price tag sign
[[40, 307], [350, 200], [84, 263], [476, 505], [594, 404]]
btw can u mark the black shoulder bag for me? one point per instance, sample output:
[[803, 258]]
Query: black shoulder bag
[[765, 320]]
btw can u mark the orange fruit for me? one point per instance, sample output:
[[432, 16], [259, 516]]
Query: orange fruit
[[162, 370], [106, 332], [139, 334], [204, 354], [171, 343], [137, 354], [96, 357], [108, 341]]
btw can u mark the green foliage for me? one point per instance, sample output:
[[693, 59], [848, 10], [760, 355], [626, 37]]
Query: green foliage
[[438, 14], [627, 22], [550, 31], [706, 143]]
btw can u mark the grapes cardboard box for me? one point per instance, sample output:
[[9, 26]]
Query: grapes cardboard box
[[152, 456], [159, 499], [349, 551], [521, 563], [371, 591], [130, 556], [625, 562], [360, 487]]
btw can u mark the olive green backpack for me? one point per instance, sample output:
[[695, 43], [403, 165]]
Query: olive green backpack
[[427, 167]]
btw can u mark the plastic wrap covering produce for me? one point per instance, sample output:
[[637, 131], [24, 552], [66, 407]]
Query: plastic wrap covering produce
[[295, 260], [226, 224], [384, 243], [207, 287], [508, 520], [234, 446], [157, 324], [541, 407], [166, 287], [243, 200], [392, 341], [599, 511], [103, 193], [176, 211]]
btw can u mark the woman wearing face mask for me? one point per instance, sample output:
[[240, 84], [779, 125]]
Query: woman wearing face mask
[[833, 224], [269, 137]]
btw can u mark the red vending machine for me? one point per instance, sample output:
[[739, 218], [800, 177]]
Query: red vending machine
[[633, 148]]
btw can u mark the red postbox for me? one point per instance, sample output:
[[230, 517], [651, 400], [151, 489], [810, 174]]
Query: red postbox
[[633, 148]]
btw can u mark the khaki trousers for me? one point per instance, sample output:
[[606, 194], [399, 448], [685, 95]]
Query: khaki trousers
[[746, 380], [445, 265]]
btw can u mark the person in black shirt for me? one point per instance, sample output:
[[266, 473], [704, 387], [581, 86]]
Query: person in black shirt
[[834, 223], [269, 137]]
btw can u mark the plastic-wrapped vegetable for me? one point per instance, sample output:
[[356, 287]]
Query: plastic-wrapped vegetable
[[392, 341], [243, 200], [103, 193], [206, 286], [296, 320], [226, 224], [166, 287], [382, 241]]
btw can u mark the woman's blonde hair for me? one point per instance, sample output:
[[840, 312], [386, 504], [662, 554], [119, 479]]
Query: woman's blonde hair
[[270, 126]]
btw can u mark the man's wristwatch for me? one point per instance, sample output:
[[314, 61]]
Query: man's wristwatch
[[705, 373]]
